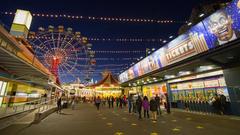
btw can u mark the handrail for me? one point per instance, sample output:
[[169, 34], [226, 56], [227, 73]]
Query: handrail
[[46, 105], [40, 104], [20, 103]]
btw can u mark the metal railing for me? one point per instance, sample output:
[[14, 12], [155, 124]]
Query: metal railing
[[40, 104], [47, 105]]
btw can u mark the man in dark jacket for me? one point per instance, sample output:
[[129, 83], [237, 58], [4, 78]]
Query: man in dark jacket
[[157, 99], [139, 107], [112, 101], [223, 101], [59, 105], [153, 108]]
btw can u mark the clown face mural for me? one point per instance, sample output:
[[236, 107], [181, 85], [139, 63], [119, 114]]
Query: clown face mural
[[220, 24]]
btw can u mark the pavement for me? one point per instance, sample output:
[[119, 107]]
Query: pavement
[[86, 120]]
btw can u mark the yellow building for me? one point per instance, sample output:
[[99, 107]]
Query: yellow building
[[22, 75]]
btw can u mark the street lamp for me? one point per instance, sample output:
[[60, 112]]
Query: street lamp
[[189, 24], [201, 15], [147, 51]]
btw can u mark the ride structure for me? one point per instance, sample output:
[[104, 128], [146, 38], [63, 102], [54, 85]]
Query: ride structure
[[67, 54]]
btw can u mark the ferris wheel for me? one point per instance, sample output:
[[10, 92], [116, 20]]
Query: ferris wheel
[[67, 54]]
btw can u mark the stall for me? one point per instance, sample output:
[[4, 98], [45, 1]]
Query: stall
[[106, 87], [196, 92]]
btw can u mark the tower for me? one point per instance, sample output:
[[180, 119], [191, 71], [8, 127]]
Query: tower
[[21, 23]]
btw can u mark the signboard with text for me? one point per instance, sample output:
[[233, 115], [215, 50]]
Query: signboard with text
[[218, 29]]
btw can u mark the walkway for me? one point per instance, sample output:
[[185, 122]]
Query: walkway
[[86, 120]]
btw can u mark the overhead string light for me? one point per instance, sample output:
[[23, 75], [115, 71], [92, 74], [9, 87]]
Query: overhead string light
[[121, 52], [93, 39], [101, 59], [105, 19]]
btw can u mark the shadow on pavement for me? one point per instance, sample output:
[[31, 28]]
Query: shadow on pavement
[[65, 113]]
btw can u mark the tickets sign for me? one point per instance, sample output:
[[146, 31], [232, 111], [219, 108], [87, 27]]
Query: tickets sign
[[218, 29]]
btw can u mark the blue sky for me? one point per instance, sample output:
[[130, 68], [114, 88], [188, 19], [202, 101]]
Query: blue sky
[[152, 9]]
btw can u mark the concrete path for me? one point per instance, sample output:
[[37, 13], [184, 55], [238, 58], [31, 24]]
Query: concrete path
[[86, 120]]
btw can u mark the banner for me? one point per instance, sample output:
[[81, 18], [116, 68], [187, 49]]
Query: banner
[[221, 27]]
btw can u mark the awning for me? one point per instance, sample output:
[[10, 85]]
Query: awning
[[19, 68], [56, 85]]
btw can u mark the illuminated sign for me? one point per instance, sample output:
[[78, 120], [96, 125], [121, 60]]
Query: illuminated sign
[[179, 51], [218, 29], [23, 17]]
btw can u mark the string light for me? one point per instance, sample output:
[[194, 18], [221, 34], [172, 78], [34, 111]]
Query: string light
[[100, 59], [120, 52], [105, 19], [94, 39]]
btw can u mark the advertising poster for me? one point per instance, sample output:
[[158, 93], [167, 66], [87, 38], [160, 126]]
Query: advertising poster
[[156, 60], [136, 70], [211, 83], [198, 84], [152, 64], [123, 77], [139, 69], [221, 27], [224, 25], [130, 73], [145, 65], [185, 46]]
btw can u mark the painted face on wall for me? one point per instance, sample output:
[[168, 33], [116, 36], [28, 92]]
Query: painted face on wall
[[220, 24]]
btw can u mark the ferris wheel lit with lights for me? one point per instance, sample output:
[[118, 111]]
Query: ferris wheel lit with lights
[[66, 53]]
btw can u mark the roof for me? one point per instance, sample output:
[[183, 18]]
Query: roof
[[107, 81], [17, 60]]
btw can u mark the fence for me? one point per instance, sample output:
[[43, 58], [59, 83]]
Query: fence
[[40, 104]]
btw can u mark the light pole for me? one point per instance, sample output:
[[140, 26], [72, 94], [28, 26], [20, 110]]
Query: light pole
[[147, 49]]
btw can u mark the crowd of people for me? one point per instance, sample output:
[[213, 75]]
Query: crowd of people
[[64, 102], [136, 105], [219, 104]]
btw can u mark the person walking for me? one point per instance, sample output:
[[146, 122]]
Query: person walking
[[103, 101], [117, 102], [223, 102], [98, 102], [109, 101], [130, 104], [153, 109], [112, 101], [139, 107], [45, 98], [124, 100], [59, 105], [134, 105], [121, 102], [157, 99], [73, 103], [167, 104], [217, 104], [145, 105]]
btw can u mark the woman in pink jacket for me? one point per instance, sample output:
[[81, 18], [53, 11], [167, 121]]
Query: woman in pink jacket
[[146, 106]]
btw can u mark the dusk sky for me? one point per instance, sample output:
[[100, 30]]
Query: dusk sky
[[178, 11]]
